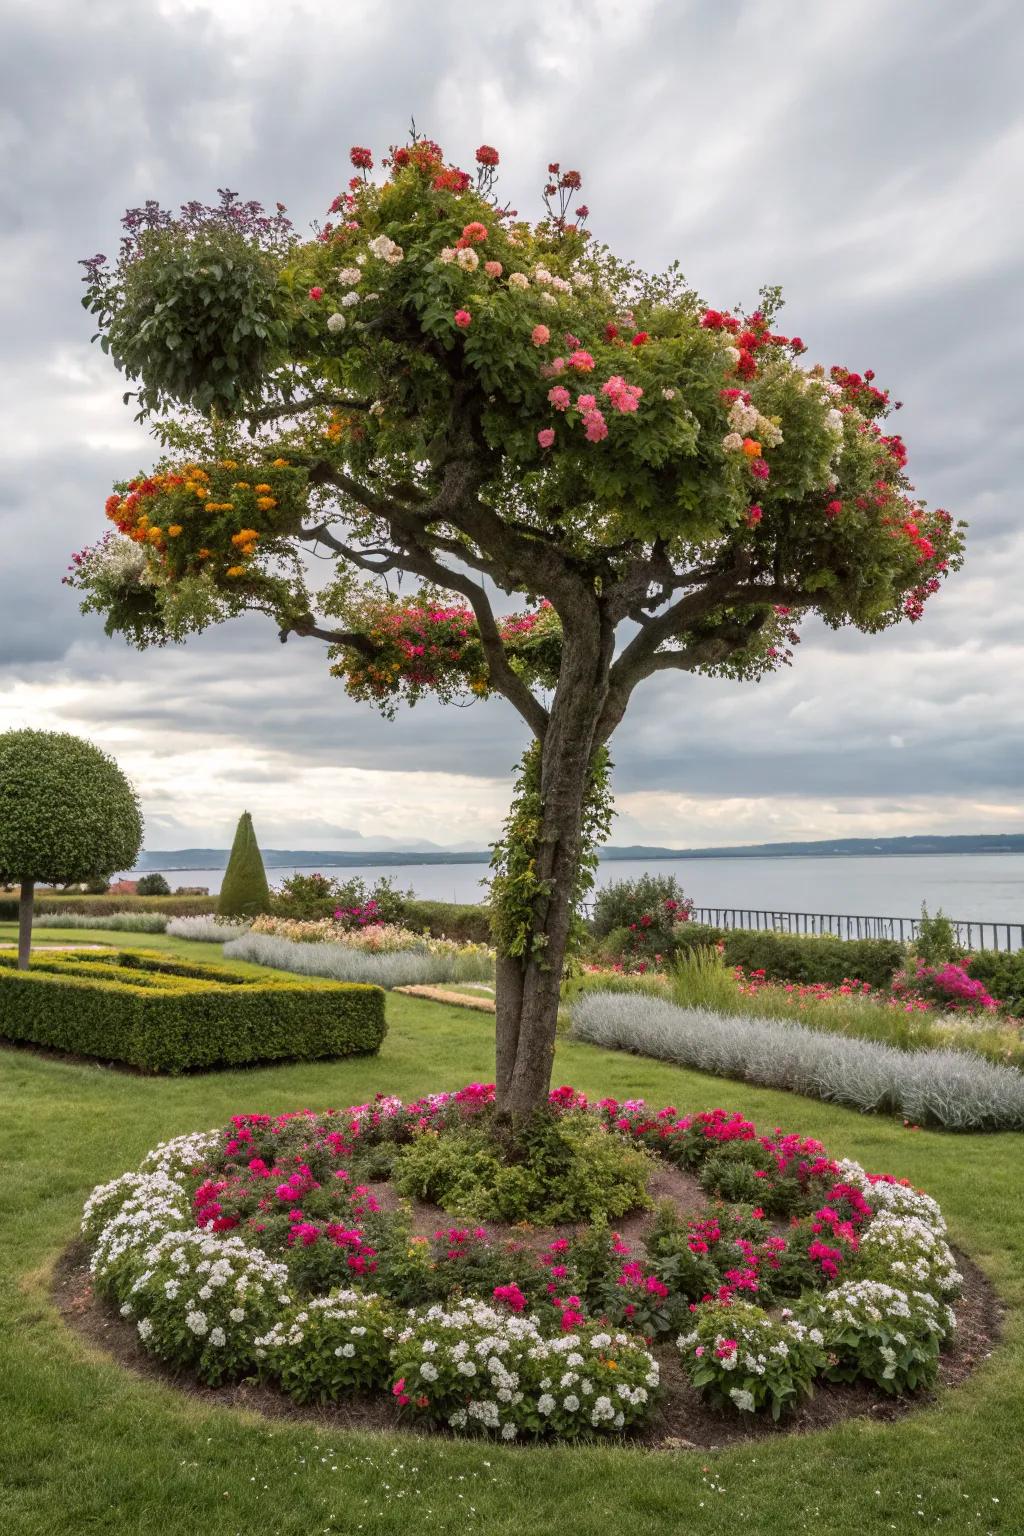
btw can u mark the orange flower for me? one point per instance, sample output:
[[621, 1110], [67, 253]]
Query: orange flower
[[266, 503], [174, 530], [751, 448], [235, 570], [280, 463], [245, 536], [204, 554], [264, 488], [240, 485], [228, 464]]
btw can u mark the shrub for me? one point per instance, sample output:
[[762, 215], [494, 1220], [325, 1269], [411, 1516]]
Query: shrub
[[345, 962], [800, 957], [170, 1017], [207, 928], [942, 1087], [569, 1169], [621, 903], [322, 1349], [319, 896], [469, 924], [888, 1335], [936, 941], [126, 922], [737, 1356], [244, 891], [152, 885], [948, 986], [1002, 973]]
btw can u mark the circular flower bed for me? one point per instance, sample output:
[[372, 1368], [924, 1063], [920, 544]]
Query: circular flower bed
[[280, 1249]]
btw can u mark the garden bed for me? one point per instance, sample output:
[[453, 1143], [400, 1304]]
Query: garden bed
[[277, 1252]]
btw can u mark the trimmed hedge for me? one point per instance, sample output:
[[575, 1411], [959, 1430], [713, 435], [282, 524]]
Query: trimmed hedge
[[802, 957], [107, 906], [469, 923], [170, 1016]]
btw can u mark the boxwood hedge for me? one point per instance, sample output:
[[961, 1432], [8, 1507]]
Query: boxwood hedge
[[802, 957], [170, 1016]]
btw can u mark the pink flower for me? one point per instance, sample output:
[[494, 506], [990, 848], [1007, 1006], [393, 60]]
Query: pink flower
[[546, 436], [581, 360], [493, 268], [316, 294], [586, 403], [759, 469], [540, 335], [560, 397], [463, 319], [557, 364], [595, 426]]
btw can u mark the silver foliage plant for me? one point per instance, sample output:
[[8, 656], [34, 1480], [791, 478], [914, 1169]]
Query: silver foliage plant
[[125, 922], [953, 1089], [207, 928], [341, 962]]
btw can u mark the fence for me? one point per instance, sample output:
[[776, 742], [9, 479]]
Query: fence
[[969, 934]]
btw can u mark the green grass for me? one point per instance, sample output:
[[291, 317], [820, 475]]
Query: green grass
[[88, 1447]]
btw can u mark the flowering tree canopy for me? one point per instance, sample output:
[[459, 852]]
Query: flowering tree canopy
[[435, 388]]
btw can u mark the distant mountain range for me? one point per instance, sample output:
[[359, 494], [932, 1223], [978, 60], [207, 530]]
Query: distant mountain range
[[333, 858]]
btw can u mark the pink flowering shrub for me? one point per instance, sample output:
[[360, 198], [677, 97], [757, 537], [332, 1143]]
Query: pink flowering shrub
[[948, 987]]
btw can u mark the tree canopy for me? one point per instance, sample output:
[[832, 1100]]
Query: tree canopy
[[367, 432]]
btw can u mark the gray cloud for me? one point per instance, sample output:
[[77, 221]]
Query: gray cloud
[[861, 157]]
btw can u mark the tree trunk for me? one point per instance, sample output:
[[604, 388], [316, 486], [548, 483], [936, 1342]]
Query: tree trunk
[[25, 905], [528, 988]]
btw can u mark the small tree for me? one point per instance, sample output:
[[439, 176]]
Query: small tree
[[67, 814], [436, 388], [245, 892], [153, 885]]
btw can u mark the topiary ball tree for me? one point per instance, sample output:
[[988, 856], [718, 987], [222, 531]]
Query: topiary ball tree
[[437, 390], [245, 892], [67, 814]]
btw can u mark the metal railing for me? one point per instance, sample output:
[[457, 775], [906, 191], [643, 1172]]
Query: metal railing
[[970, 934]]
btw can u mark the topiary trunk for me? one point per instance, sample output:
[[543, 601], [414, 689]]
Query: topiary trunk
[[25, 909]]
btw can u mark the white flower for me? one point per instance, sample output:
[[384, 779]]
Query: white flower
[[386, 249], [548, 299], [237, 1314], [668, 394], [196, 1320], [345, 1351], [545, 1403], [732, 442], [349, 276], [542, 276], [571, 1403], [428, 1371], [377, 408], [217, 1336], [518, 280], [743, 1400], [145, 1327], [350, 299], [468, 259], [447, 255], [336, 322]]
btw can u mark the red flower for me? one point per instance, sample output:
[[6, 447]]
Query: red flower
[[316, 294], [486, 155], [610, 332], [573, 180], [451, 181], [639, 339], [463, 319], [400, 157], [361, 158]]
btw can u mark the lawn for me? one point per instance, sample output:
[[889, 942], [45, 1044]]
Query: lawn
[[88, 1447]]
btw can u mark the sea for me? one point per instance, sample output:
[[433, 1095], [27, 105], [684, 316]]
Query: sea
[[982, 887]]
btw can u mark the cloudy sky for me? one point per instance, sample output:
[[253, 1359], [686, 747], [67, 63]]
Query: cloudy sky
[[868, 157]]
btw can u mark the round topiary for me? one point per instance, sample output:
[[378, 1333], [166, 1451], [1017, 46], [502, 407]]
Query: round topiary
[[67, 813], [152, 885]]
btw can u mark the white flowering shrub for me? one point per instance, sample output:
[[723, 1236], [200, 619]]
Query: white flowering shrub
[[906, 1252], [953, 1089], [207, 928], [738, 1356], [320, 1350], [888, 1335], [137, 1210], [203, 1299], [182, 1154], [472, 1367]]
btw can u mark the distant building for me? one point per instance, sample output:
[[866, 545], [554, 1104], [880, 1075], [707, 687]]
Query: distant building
[[124, 888]]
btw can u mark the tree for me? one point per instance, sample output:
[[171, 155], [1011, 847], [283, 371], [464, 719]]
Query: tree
[[432, 388], [153, 885], [245, 892], [67, 814]]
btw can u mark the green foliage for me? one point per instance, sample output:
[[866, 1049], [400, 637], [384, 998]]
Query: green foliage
[[741, 1358], [244, 892], [313, 896], [799, 957], [467, 923], [734, 1178], [109, 906], [562, 1169], [1003, 974], [168, 1016], [622, 902], [152, 885], [326, 1348], [936, 940], [67, 812]]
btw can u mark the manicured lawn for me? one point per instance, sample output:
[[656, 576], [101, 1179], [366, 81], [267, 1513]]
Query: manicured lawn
[[88, 1447]]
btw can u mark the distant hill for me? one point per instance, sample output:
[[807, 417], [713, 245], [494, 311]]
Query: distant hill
[[850, 847]]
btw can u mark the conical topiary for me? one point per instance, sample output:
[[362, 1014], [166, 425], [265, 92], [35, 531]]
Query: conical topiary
[[245, 891]]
